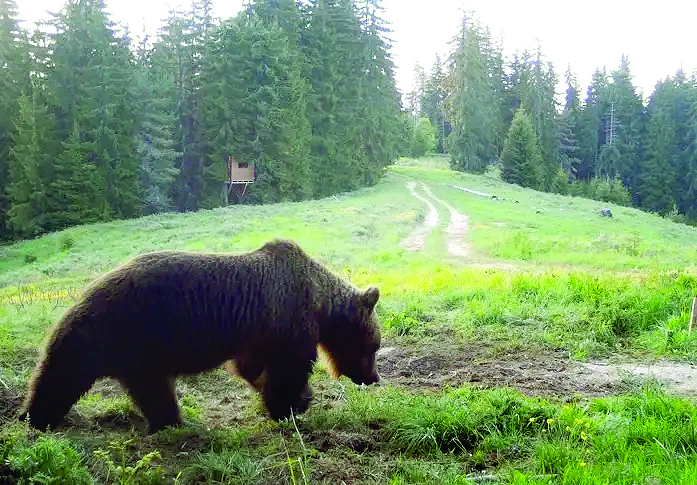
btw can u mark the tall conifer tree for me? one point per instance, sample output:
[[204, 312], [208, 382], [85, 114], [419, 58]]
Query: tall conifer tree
[[91, 87], [154, 138], [14, 81], [433, 104], [520, 158], [472, 106]]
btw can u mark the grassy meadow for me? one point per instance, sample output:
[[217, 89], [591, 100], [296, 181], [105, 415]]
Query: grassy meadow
[[545, 273]]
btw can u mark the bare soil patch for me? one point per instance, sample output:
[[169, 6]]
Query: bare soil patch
[[533, 371], [9, 404]]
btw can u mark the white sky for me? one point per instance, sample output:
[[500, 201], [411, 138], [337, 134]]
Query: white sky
[[658, 37]]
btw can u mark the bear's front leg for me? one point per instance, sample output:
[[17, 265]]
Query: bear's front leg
[[287, 388], [154, 395]]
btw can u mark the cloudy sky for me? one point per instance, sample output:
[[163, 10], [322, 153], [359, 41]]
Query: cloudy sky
[[658, 37]]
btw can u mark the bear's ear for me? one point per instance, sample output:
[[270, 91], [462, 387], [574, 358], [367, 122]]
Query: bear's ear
[[370, 298]]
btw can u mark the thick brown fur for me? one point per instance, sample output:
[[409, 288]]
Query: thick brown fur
[[169, 313]]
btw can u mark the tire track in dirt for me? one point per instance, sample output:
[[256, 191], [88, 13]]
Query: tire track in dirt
[[455, 232], [417, 239]]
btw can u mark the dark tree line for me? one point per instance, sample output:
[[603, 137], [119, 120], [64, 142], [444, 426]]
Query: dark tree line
[[608, 144], [95, 126]]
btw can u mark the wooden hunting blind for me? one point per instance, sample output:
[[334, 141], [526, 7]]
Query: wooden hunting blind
[[239, 176]]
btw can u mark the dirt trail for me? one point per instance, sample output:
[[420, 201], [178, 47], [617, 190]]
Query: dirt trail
[[417, 239], [456, 232]]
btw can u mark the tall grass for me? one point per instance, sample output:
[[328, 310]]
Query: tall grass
[[46, 460], [590, 314], [627, 439]]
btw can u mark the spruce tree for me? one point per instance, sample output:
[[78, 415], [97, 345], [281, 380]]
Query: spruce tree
[[567, 126], [14, 81], [29, 169], [183, 46], [74, 195], [590, 132], [665, 181], [154, 138], [91, 87], [472, 106], [622, 124], [416, 95], [690, 179], [520, 158], [536, 89], [331, 45], [379, 100], [433, 104]]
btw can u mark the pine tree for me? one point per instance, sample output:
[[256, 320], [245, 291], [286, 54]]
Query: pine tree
[[472, 106], [91, 86], [14, 81], [520, 158], [433, 104]]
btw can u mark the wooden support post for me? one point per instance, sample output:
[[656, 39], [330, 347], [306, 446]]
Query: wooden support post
[[694, 314]]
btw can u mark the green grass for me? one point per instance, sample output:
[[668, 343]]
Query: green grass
[[551, 229], [590, 314], [544, 271]]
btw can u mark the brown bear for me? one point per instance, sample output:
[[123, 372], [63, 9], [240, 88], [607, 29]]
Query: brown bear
[[169, 313]]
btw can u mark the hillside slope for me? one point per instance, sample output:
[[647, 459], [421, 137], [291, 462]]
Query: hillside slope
[[519, 331]]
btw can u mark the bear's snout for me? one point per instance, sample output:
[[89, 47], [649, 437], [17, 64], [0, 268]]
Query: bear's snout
[[373, 378]]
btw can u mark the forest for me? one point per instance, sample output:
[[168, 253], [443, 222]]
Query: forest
[[97, 124], [609, 144]]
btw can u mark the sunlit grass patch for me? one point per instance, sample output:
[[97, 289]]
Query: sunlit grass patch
[[226, 466], [589, 314]]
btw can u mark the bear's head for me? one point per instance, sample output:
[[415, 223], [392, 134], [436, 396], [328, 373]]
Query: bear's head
[[350, 343]]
